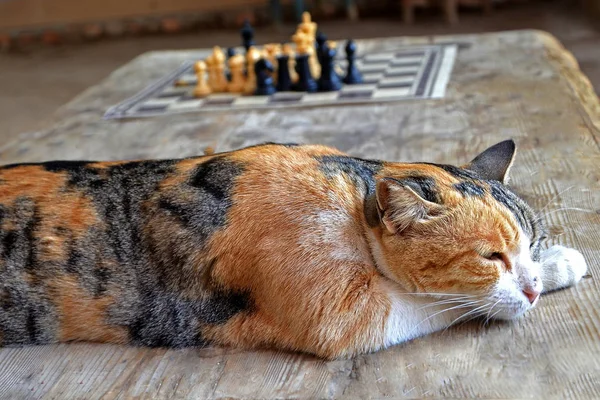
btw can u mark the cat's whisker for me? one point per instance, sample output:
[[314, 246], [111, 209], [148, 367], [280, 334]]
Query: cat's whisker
[[475, 310], [439, 312], [489, 312], [567, 209], [494, 314], [554, 197], [441, 302]]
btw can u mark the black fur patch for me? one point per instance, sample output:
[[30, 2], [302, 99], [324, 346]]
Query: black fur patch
[[169, 320], [457, 172], [424, 186], [361, 172], [524, 215], [210, 185], [467, 188], [289, 145]]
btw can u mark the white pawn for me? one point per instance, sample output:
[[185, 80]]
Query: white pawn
[[252, 56], [236, 68], [201, 89]]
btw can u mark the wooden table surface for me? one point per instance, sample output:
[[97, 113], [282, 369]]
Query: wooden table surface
[[520, 85]]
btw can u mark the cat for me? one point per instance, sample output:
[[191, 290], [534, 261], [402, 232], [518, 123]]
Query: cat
[[295, 247]]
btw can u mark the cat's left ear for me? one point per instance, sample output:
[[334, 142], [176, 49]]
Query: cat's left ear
[[494, 163], [402, 204]]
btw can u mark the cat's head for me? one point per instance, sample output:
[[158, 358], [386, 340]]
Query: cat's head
[[441, 229]]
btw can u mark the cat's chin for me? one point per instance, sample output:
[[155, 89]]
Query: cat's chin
[[511, 311]]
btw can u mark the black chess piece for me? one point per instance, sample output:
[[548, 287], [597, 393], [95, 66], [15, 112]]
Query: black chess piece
[[353, 75], [284, 81], [305, 83], [264, 80], [230, 53], [247, 35], [329, 80], [320, 44]]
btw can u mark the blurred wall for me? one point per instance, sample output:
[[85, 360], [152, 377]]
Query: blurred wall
[[19, 14]]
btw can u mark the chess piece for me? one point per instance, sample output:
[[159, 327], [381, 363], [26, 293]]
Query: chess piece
[[270, 52], [236, 69], [305, 83], [284, 79], [202, 89], [219, 83], [321, 41], [304, 45], [247, 35], [287, 50], [329, 80], [308, 27], [353, 75], [230, 53], [263, 70], [210, 68], [252, 56]]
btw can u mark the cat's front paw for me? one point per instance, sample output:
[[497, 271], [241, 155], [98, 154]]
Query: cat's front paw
[[561, 267]]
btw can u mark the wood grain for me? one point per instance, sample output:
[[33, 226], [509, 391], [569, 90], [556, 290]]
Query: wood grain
[[520, 85]]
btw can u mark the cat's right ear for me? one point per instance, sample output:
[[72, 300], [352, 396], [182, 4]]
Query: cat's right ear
[[401, 204], [495, 162]]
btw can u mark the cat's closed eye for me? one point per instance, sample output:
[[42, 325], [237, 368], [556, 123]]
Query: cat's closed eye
[[496, 256]]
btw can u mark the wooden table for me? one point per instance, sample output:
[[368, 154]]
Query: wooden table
[[520, 85]]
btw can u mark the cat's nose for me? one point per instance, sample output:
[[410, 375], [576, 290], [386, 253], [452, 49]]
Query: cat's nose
[[531, 295]]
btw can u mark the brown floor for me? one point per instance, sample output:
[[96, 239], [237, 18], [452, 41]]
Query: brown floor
[[35, 84]]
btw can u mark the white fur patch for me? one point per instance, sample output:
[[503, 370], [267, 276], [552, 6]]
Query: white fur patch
[[562, 267]]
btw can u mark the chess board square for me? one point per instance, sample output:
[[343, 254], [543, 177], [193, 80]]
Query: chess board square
[[187, 96], [186, 105], [372, 78], [249, 101], [358, 87], [219, 100], [404, 61], [145, 108], [157, 102], [319, 97], [391, 93], [400, 81], [357, 94], [379, 57], [186, 80], [398, 71], [172, 93], [286, 97], [368, 68], [403, 54]]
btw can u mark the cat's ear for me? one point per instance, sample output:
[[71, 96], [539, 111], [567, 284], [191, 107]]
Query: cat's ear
[[495, 162], [402, 203]]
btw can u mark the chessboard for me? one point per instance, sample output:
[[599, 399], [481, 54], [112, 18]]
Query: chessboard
[[407, 73]]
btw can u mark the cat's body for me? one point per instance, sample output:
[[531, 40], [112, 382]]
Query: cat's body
[[294, 247]]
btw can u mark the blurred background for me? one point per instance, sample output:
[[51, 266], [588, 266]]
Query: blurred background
[[51, 50]]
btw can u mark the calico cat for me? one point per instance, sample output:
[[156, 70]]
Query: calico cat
[[295, 247]]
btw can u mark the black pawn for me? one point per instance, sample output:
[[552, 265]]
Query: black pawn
[[264, 81], [247, 35], [329, 80], [353, 75], [284, 81], [305, 83], [230, 53], [320, 46]]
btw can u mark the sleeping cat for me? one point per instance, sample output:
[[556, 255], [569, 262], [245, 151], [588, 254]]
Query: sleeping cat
[[295, 247]]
